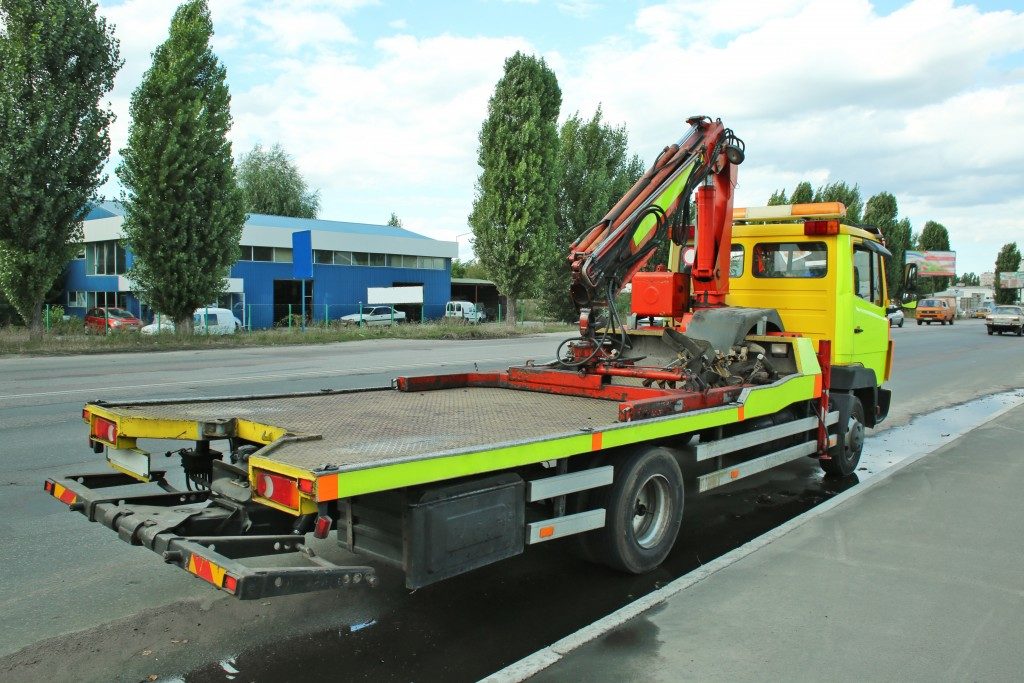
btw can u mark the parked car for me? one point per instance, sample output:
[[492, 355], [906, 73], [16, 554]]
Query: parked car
[[465, 310], [374, 315], [204, 321], [982, 312], [1006, 319], [934, 310], [106, 318], [895, 315]]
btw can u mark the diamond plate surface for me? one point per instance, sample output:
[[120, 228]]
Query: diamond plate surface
[[382, 427]]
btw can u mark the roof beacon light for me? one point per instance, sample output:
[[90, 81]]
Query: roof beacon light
[[821, 227], [782, 212]]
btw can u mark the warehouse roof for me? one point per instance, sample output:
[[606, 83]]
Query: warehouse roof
[[109, 209]]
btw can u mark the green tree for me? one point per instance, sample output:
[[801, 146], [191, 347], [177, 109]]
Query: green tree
[[395, 221], [1007, 261], [271, 184], [934, 237], [839, 191], [513, 216], [778, 198], [881, 211], [970, 280], [57, 60], [595, 170], [469, 269], [802, 194], [184, 210]]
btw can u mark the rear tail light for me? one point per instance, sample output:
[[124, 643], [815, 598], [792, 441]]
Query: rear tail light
[[85, 415], [306, 486], [48, 486], [230, 583], [821, 227], [105, 430], [278, 488], [322, 527]]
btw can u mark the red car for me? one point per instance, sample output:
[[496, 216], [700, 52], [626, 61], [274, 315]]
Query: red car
[[99, 319]]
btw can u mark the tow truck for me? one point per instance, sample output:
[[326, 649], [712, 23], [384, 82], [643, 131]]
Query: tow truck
[[763, 340]]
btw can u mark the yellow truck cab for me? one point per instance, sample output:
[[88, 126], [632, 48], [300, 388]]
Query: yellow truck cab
[[826, 279]]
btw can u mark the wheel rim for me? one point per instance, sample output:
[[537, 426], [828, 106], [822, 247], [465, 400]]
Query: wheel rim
[[652, 512]]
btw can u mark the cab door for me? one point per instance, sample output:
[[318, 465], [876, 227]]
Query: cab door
[[870, 324]]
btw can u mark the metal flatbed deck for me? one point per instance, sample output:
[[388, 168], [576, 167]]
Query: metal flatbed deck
[[373, 428]]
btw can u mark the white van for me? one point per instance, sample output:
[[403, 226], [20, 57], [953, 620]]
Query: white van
[[204, 321], [465, 310]]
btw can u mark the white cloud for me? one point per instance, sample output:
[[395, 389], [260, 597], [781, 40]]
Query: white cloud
[[580, 9]]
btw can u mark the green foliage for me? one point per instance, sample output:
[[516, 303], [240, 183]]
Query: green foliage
[[184, 209], [778, 198], [934, 237], [513, 217], [839, 191], [970, 280], [395, 221], [469, 269], [595, 170], [57, 60], [271, 184], [881, 211], [802, 194], [1007, 261]]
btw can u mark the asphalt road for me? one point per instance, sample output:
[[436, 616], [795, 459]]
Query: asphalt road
[[93, 608]]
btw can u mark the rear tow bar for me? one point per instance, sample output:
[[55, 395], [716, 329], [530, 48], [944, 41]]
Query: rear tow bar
[[185, 529]]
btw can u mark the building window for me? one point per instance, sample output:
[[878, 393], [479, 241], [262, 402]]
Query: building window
[[107, 299], [343, 258], [77, 300], [282, 255], [105, 258], [262, 253], [323, 256], [377, 260], [245, 252], [360, 258]]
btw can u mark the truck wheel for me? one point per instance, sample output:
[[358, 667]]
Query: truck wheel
[[644, 508], [844, 457]]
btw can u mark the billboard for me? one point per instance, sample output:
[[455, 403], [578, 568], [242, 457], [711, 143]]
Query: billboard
[[933, 263], [302, 255], [1011, 280]]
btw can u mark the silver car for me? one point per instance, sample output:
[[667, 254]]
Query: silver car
[[1005, 319], [895, 315]]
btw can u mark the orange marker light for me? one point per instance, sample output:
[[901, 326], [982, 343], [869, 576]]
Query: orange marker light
[[547, 531], [734, 474]]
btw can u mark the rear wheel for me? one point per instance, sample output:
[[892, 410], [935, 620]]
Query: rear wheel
[[901, 323], [951, 321], [1020, 330], [844, 457], [918, 322], [990, 331], [644, 509]]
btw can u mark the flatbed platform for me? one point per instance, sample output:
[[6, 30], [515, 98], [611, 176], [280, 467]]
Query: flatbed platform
[[373, 428]]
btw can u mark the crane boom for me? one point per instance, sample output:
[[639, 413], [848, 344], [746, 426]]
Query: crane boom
[[605, 258]]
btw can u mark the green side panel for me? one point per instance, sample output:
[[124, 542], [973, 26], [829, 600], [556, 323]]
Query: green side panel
[[664, 200]]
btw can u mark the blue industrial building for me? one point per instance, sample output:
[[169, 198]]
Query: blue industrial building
[[353, 263]]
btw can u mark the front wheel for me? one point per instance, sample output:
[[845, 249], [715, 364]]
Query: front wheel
[[644, 510], [951, 321], [901, 323], [1020, 330], [990, 331], [844, 457], [918, 322]]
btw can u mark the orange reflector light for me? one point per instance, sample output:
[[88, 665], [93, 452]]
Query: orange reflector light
[[230, 583], [105, 430], [278, 488], [734, 474], [821, 227], [85, 415], [547, 531], [206, 570], [48, 486], [306, 485]]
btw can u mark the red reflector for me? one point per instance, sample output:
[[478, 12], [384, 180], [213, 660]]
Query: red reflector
[[280, 489], [323, 526], [105, 430], [821, 227], [306, 485], [85, 414], [48, 486], [230, 583]]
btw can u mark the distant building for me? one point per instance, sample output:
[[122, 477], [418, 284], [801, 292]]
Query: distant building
[[987, 279], [969, 298], [348, 259]]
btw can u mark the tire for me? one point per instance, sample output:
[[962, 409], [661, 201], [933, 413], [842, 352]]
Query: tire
[[1020, 330], [918, 322], [644, 510], [951, 321], [901, 323], [990, 331], [846, 457]]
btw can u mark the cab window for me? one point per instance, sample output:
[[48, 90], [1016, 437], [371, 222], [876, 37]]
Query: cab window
[[867, 276], [790, 260], [736, 261]]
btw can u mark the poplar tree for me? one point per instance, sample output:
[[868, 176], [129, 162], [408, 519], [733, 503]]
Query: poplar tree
[[595, 170], [513, 218], [184, 210], [1007, 261], [881, 211], [57, 60], [934, 237]]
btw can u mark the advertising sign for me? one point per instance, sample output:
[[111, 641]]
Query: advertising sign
[[1011, 280], [933, 263]]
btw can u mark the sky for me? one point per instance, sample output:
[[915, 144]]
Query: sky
[[380, 102]]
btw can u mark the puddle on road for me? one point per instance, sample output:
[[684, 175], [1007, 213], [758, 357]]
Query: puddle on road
[[468, 627]]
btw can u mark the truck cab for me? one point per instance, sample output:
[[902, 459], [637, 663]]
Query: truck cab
[[826, 279]]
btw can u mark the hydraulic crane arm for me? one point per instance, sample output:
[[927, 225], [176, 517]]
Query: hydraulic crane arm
[[605, 258]]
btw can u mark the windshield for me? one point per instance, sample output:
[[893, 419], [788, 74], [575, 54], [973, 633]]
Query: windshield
[[1007, 310], [118, 313], [930, 302]]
